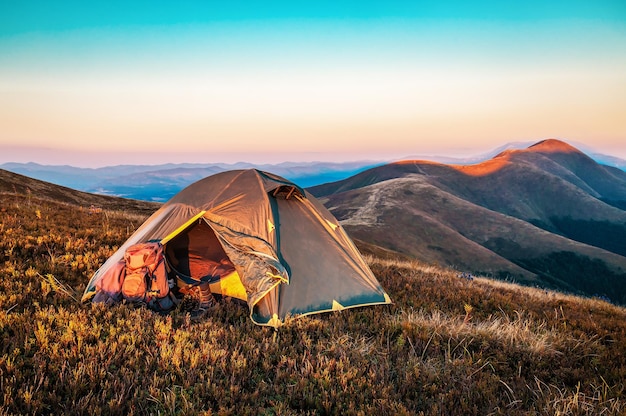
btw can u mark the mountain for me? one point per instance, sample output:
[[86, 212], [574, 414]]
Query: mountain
[[13, 184], [547, 215], [161, 182]]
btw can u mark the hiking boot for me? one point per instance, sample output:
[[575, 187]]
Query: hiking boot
[[201, 310], [198, 313], [206, 297], [205, 303]]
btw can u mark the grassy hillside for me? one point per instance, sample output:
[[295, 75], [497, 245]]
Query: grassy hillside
[[448, 344], [13, 184]]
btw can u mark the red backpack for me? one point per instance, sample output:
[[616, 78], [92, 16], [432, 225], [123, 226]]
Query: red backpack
[[146, 276]]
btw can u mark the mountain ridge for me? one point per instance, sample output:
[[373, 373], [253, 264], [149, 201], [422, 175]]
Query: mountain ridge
[[16, 184]]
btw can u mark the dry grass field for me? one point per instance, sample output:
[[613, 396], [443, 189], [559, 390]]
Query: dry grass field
[[448, 345]]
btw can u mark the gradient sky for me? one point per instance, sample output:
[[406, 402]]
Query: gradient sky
[[90, 83]]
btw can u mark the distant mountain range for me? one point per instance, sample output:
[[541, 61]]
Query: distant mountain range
[[161, 182], [547, 215]]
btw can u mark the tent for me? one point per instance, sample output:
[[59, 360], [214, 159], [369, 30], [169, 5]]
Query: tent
[[288, 255]]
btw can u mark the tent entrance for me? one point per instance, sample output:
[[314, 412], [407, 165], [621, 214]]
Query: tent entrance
[[196, 254]]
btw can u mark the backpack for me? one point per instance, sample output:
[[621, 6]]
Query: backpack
[[146, 277], [109, 287]]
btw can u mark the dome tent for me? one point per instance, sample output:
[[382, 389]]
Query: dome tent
[[289, 254]]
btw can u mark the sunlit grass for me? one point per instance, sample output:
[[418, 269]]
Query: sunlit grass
[[446, 345]]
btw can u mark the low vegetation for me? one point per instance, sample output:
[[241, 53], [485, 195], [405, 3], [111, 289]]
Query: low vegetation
[[578, 274], [450, 344], [604, 234]]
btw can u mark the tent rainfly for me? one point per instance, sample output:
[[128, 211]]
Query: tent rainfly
[[290, 255]]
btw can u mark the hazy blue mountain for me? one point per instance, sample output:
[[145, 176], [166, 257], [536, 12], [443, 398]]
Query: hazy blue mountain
[[161, 182]]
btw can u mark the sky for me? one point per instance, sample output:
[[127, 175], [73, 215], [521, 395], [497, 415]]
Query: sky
[[147, 82]]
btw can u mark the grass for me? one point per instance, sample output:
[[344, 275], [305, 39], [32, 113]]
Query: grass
[[447, 345]]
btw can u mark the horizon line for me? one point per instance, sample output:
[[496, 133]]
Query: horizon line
[[59, 156]]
